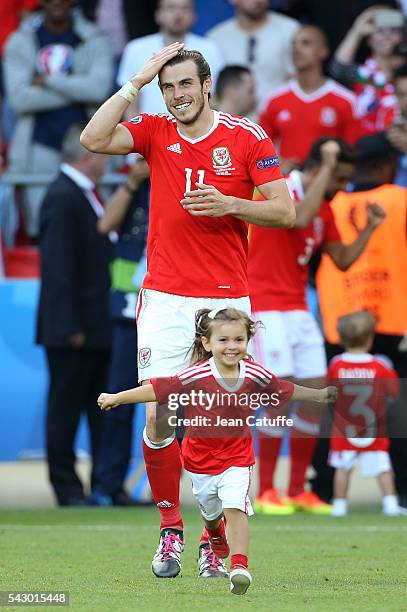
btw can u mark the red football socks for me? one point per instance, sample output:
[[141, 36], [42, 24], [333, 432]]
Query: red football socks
[[219, 531], [269, 452], [238, 561], [163, 466], [204, 537], [210, 533], [301, 452]]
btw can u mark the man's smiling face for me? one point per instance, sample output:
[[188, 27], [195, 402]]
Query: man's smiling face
[[183, 93]]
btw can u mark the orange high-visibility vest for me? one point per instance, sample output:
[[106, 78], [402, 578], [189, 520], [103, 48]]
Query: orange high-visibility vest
[[377, 281]]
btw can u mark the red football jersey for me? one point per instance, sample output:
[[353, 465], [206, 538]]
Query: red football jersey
[[278, 258], [200, 256], [212, 446], [366, 383], [295, 119]]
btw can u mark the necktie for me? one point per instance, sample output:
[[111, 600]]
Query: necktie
[[96, 202]]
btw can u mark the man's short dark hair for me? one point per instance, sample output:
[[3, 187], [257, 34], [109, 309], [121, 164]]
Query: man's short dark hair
[[346, 154], [202, 66], [373, 152], [230, 76]]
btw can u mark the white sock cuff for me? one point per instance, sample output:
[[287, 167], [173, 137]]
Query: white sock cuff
[[157, 445], [390, 502], [340, 503]]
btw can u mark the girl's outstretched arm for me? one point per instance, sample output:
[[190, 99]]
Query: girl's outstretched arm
[[322, 396], [139, 395]]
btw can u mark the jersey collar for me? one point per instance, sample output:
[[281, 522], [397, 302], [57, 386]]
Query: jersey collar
[[315, 95], [222, 381], [200, 138], [357, 357]]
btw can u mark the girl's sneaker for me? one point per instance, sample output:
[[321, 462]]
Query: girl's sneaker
[[209, 564], [240, 580]]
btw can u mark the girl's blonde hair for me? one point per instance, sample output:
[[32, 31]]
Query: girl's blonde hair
[[205, 321]]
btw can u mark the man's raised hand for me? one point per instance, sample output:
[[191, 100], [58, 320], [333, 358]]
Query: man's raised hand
[[330, 152], [153, 66]]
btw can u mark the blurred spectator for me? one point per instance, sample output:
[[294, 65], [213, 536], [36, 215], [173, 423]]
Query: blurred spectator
[[126, 211], [11, 13], [174, 18], [310, 105], [138, 15], [378, 280], [110, 19], [397, 132], [57, 67], [334, 18], [290, 343], [372, 81], [73, 314], [235, 91], [259, 39]]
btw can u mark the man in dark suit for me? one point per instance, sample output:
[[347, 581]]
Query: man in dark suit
[[73, 315]]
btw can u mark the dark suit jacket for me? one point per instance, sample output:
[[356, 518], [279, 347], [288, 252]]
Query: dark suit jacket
[[75, 258]]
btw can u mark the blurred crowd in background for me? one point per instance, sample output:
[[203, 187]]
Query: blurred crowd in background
[[303, 69]]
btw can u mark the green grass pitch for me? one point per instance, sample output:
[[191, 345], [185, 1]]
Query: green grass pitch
[[301, 562]]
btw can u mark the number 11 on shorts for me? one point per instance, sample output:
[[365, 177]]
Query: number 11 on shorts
[[188, 178]]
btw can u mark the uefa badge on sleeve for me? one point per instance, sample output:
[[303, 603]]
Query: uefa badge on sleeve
[[144, 356]]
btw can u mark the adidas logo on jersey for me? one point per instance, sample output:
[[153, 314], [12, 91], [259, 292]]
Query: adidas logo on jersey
[[165, 504], [175, 148]]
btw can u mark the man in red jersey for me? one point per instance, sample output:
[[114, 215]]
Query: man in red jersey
[[310, 105], [203, 166], [290, 343]]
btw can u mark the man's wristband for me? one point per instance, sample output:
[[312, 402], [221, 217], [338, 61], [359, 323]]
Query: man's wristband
[[128, 91]]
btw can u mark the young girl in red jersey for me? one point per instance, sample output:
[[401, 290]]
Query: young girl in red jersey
[[218, 392]]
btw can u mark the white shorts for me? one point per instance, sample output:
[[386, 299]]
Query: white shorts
[[166, 329], [215, 492], [372, 463], [290, 344]]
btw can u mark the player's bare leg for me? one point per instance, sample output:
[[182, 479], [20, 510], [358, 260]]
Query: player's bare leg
[[163, 465], [238, 536], [341, 485]]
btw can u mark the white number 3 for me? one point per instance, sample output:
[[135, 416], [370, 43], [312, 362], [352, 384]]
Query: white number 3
[[188, 178]]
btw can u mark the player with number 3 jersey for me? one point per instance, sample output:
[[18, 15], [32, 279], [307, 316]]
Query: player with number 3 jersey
[[367, 386], [204, 166]]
